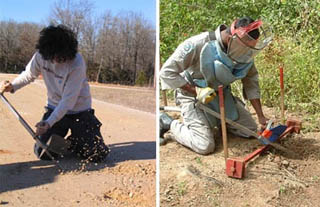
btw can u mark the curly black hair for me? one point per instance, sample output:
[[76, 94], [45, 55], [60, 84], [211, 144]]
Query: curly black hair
[[57, 43]]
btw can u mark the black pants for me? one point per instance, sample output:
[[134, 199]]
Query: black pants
[[85, 138]]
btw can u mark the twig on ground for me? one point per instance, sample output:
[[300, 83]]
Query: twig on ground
[[197, 173]]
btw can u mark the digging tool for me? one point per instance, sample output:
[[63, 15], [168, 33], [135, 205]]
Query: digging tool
[[282, 94], [262, 139], [31, 132], [223, 123], [245, 130], [238, 126], [235, 167]]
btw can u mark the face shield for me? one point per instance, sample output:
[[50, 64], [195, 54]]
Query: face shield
[[242, 47]]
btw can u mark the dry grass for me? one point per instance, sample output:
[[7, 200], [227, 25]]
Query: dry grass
[[139, 98]]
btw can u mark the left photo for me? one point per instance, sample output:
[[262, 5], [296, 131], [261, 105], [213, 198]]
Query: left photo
[[78, 103]]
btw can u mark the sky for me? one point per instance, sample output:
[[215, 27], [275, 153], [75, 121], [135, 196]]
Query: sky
[[38, 11]]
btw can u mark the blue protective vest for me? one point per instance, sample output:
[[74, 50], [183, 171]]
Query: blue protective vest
[[218, 69]]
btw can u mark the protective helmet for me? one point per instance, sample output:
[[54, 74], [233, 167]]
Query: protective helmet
[[243, 46]]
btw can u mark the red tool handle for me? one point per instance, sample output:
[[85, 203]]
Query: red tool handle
[[281, 78], [282, 94], [221, 99], [223, 122]]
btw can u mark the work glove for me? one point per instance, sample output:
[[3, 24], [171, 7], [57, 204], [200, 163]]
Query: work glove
[[42, 127], [205, 95], [6, 86]]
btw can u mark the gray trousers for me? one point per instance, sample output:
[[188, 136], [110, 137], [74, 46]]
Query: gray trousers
[[195, 132]]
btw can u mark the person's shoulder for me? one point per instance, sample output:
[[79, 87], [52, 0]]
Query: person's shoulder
[[199, 38], [37, 57], [78, 62], [193, 44]]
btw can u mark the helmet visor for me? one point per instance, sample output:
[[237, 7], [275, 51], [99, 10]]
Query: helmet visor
[[243, 47]]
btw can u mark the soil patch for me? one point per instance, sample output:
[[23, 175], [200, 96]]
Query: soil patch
[[272, 179]]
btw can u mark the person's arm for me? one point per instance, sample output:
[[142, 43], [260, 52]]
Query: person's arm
[[183, 57], [70, 94], [257, 107], [31, 72], [251, 91]]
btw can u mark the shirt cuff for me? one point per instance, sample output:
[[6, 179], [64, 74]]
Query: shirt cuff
[[51, 120]]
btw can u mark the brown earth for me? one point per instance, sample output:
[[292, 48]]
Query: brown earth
[[126, 178], [272, 179]]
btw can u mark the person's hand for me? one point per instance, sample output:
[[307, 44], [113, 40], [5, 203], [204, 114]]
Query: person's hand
[[6, 86], [42, 127], [189, 88], [205, 95], [263, 121]]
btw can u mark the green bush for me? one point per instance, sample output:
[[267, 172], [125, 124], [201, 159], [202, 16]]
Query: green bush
[[142, 79]]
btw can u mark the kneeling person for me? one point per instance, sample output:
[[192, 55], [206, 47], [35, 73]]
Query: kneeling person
[[69, 100], [209, 60]]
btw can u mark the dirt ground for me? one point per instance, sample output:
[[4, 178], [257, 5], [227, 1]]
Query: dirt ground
[[272, 179], [126, 178]]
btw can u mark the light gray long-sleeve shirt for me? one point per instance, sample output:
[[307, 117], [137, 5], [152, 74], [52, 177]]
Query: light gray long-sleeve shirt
[[187, 57], [67, 86]]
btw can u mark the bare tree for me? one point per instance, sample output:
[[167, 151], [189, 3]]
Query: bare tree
[[124, 44], [71, 13], [117, 48], [17, 44]]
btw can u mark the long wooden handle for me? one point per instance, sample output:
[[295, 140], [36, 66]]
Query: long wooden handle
[[223, 123], [164, 97], [282, 95]]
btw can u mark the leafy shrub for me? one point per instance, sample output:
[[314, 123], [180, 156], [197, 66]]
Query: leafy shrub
[[142, 79]]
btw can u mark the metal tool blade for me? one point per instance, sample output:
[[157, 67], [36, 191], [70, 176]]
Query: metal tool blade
[[246, 130]]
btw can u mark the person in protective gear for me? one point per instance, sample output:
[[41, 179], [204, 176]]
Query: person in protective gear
[[206, 61], [69, 100]]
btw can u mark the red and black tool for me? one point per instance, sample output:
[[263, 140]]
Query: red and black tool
[[235, 167]]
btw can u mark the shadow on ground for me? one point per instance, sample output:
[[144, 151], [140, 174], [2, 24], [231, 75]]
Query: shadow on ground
[[21, 175], [121, 152]]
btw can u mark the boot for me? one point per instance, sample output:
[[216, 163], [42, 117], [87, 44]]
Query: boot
[[165, 122]]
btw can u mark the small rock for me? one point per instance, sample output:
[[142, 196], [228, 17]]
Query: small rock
[[285, 163], [277, 159]]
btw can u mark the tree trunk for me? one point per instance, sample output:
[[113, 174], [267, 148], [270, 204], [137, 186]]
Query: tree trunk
[[99, 71]]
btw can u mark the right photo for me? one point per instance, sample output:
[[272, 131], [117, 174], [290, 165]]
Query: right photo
[[239, 103]]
